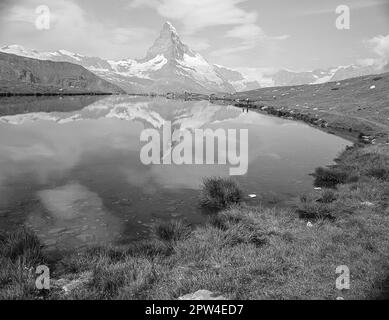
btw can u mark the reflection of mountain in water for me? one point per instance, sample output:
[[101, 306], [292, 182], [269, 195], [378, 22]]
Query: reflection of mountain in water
[[152, 113]]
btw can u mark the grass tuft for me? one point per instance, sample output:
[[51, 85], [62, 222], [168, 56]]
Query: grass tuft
[[20, 253], [219, 193], [328, 196], [329, 177], [171, 231], [22, 244]]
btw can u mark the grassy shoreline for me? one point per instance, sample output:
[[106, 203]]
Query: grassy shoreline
[[343, 127], [242, 252], [349, 108]]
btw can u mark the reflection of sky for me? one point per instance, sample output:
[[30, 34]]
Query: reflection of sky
[[86, 162], [43, 147], [74, 215]]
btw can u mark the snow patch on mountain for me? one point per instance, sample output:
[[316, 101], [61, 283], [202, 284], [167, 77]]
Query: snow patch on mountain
[[23, 52], [71, 55], [199, 69], [133, 68]]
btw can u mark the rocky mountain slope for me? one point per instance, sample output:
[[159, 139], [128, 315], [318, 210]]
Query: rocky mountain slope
[[21, 75], [169, 65]]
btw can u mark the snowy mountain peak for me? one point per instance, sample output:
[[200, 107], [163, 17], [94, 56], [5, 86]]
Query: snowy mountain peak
[[169, 45], [169, 27]]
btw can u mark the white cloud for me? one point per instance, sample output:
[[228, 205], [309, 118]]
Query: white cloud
[[247, 32], [250, 36], [198, 14], [62, 13], [230, 50], [197, 43], [368, 62], [124, 36], [329, 8], [380, 46]]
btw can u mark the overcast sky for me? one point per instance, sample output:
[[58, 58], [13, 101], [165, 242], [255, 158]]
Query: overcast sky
[[292, 34]]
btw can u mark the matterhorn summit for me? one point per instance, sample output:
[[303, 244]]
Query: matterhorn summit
[[169, 44]]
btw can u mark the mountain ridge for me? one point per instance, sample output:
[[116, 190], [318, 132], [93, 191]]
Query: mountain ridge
[[318, 76], [169, 66]]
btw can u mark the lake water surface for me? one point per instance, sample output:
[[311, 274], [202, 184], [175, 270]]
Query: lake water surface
[[70, 168]]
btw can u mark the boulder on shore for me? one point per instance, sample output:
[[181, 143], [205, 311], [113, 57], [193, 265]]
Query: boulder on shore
[[202, 295]]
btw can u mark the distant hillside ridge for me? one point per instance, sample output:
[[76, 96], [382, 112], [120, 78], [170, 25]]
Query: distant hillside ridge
[[21, 75], [357, 105]]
